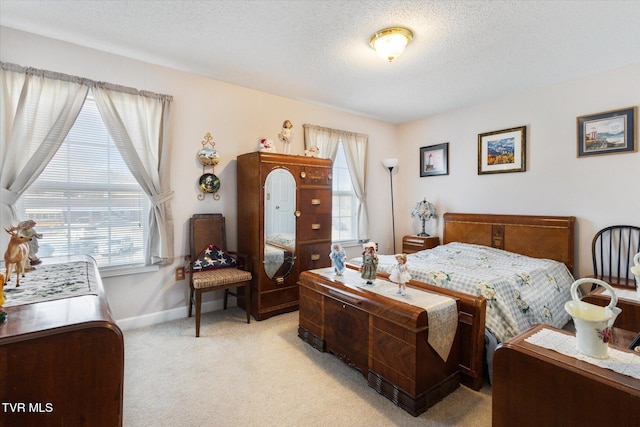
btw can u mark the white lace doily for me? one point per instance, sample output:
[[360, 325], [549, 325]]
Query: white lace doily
[[625, 363]]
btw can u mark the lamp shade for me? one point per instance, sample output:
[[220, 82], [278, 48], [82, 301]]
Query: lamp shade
[[390, 163], [389, 43], [424, 210]]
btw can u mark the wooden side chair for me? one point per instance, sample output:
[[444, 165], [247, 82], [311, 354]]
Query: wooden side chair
[[212, 267], [613, 249]]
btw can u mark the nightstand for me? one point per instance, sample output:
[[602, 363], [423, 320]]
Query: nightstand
[[412, 244]]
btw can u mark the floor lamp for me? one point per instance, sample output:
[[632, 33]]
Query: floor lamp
[[390, 164]]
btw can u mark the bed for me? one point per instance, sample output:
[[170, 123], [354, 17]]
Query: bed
[[521, 264]]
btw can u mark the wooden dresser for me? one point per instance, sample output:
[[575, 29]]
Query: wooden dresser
[[62, 362], [535, 386], [275, 291]]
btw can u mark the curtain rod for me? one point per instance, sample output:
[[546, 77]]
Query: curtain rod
[[344, 132], [52, 75]]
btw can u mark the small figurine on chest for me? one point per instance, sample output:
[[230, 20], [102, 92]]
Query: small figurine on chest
[[28, 231], [267, 146], [338, 256], [400, 273], [369, 263]]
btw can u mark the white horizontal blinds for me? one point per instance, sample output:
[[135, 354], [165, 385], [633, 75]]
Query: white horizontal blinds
[[86, 201], [344, 204]]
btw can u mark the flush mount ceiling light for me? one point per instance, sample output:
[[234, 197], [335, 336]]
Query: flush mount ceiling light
[[390, 42]]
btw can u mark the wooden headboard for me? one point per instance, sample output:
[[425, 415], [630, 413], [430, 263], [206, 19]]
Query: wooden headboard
[[550, 237]]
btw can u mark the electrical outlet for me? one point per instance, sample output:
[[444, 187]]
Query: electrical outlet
[[388, 245], [179, 273]]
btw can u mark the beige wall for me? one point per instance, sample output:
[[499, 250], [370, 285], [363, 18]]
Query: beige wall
[[598, 190]]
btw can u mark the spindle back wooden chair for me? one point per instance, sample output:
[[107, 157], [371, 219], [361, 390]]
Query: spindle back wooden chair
[[613, 249]]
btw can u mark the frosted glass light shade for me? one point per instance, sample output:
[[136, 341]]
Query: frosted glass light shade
[[390, 42], [390, 163]]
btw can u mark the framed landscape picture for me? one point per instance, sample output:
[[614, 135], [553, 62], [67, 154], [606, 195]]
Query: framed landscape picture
[[502, 151], [434, 160], [607, 133]]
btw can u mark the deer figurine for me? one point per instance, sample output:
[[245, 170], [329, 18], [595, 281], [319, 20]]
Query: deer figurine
[[17, 254]]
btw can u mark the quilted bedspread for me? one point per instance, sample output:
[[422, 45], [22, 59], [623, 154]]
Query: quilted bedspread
[[520, 291]]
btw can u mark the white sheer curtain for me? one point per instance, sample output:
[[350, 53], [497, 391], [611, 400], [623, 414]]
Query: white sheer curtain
[[138, 124], [355, 148], [37, 110], [39, 107]]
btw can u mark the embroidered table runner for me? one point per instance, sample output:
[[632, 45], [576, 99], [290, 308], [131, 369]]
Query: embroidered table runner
[[618, 361], [442, 311], [50, 282]]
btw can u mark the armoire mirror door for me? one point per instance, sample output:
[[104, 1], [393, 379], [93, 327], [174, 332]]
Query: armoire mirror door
[[279, 224]]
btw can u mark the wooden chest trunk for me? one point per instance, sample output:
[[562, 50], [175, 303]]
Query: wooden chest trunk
[[383, 338]]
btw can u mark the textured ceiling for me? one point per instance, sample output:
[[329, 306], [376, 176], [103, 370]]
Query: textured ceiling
[[463, 52]]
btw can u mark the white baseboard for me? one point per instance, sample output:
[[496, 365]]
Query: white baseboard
[[168, 315]]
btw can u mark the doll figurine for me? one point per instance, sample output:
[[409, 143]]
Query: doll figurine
[[400, 274], [369, 263], [338, 256], [285, 136], [27, 230]]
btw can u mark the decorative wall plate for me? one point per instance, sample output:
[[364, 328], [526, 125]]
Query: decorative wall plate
[[209, 183], [208, 156]]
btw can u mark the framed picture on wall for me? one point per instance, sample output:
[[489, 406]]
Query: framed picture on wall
[[502, 151], [607, 133], [434, 160]]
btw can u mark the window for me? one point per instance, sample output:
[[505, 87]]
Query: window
[[345, 203], [86, 201]]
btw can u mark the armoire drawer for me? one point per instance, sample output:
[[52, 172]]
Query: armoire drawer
[[314, 201], [314, 227], [314, 256]]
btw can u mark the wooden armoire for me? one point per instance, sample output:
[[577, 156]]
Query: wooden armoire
[[284, 225]]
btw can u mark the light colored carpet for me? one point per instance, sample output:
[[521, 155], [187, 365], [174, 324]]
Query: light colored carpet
[[261, 374]]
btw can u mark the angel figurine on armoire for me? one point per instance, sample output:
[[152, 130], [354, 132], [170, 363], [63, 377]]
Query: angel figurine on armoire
[[285, 136]]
